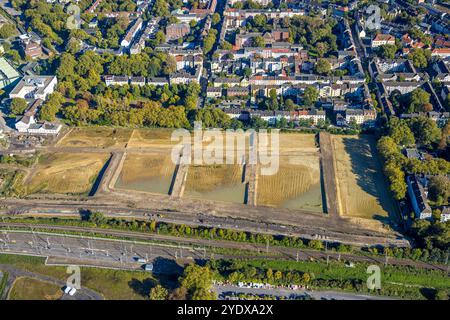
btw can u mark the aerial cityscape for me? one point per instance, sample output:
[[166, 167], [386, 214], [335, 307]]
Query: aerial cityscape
[[224, 150]]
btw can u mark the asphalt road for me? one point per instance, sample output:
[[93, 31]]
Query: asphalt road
[[14, 273], [286, 293]]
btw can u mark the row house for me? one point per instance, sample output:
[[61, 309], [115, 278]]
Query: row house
[[383, 39], [188, 61], [230, 82], [237, 91], [260, 2], [131, 33], [237, 113], [236, 18], [270, 64], [116, 80], [246, 39], [441, 118], [272, 117], [418, 197], [312, 114], [150, 30], [379, 66], [361, 116], [214, 92], [184, 77], [442, 71], [401, 86], [139, 81], [401, 76], [304, 79], [444, 53]]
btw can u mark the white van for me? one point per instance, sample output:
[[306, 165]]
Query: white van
[[72, 291]]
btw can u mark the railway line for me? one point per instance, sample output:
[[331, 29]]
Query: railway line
[[299, 254]]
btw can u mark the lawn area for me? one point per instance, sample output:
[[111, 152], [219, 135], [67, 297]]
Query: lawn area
[[362, 190], [25, 288], [97, 138], [73, 173], [112, 284]]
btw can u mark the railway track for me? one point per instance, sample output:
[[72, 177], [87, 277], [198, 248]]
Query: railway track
[[283, 252]]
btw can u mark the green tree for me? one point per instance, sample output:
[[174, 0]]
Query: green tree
[[441, 294], [396, 178], [51, 107], [225, 45], [96, 217], [310, 96], [215, 20], [209, 41], [160, 37], [18, 106], [418, 99], [197, 281], [322, 67], [400, 132], [160, 8], [420, 57], [425, 131], [258, 41], [439, 189], [388, 51], [315, 244], [158, 293], [7, 30]]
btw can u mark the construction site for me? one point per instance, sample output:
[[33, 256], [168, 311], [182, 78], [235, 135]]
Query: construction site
[[326, 187]]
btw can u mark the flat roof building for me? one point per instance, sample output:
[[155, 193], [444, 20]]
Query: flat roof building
[[34, 87], [8, 74]]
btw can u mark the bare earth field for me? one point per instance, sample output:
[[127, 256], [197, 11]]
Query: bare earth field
[[147, 172], [32, 289], [362, 190], [151, 138], [296, 185], [72, 173], [96, 137], [216, 182]]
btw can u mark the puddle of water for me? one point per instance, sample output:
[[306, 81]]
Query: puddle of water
[[154, 185], [310, 200], [234, 193]]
